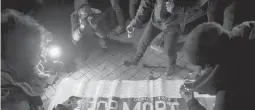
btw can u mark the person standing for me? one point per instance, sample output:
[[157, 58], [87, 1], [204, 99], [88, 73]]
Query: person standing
[[166, 17]]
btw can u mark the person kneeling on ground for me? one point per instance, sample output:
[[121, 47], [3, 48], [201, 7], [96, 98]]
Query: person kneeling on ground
[[84, 16], [227, 58]]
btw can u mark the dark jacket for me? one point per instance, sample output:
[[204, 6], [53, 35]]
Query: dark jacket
[[234, 74], [156, 11], [94, 23]]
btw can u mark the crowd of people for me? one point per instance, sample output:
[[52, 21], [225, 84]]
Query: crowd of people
[[224, 47]]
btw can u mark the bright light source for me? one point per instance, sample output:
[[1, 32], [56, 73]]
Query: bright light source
[[54, 52]]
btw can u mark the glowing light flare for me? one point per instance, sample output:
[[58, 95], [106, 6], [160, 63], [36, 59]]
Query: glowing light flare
[[54, 52]]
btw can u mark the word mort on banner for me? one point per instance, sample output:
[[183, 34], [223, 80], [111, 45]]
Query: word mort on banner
[[145, 103]]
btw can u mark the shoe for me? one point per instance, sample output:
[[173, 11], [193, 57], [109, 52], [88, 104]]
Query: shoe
[[117, 31], [132, 62]]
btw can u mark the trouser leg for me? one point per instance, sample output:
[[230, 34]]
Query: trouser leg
[[133, 4], [119, 13], [170, 46], [148, 35]]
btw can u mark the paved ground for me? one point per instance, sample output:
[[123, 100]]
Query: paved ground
[[107, 65]]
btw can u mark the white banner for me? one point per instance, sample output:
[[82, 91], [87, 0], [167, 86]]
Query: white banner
[[126, 95]]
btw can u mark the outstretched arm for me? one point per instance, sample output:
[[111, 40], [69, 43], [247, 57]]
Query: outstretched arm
[[74, 21]]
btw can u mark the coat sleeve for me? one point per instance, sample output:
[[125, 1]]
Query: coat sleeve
[[193, 104], [143, 13], [74, 21]]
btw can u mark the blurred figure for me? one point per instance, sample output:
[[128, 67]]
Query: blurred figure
[[227, 59], [22, 43], [167, 17]]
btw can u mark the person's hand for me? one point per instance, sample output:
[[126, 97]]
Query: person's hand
[[71, 103], [187, 95], [92, 22], [90, 19], [130, 29], [170, 6], [187, 91]]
